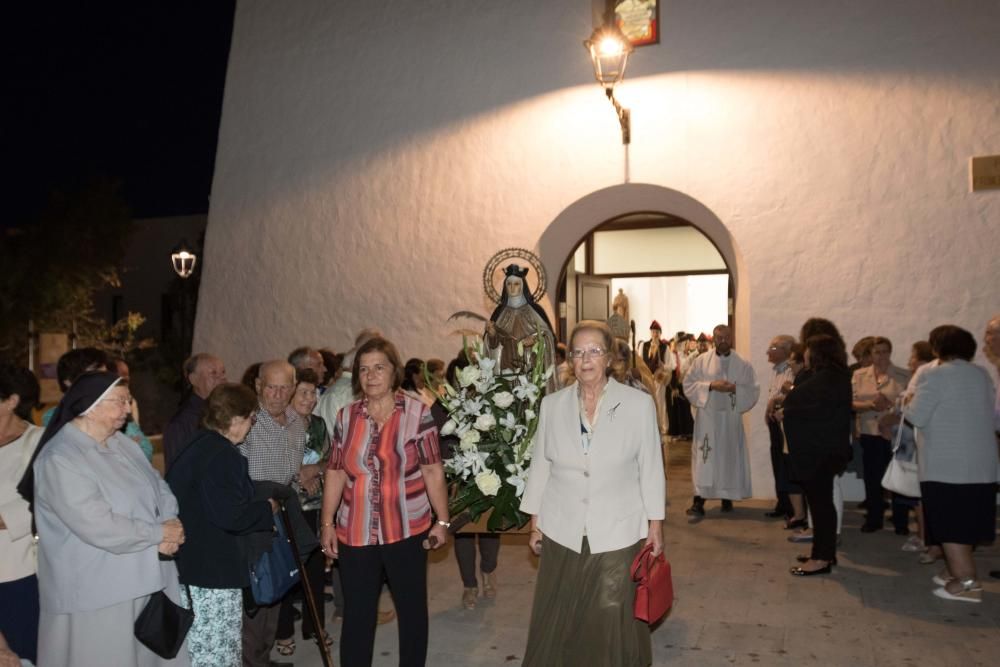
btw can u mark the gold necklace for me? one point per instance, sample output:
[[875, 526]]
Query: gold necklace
[[375, 410]]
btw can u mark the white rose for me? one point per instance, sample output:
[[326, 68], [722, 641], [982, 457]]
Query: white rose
[[503, 399], [529, 414], [469, 439], [468, 375], [449, 427], [488, 482], [486, 422]]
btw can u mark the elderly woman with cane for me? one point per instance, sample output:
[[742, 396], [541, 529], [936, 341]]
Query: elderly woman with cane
[[215, 494], [596, 493]]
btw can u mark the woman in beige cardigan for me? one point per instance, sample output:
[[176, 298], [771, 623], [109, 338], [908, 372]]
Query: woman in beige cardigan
[[596, 493]]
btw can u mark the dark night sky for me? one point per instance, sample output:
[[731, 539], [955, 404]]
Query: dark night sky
[[129, 91]]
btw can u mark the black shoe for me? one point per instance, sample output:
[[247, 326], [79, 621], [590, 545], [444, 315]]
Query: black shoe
[[869, 528], [903, 531], [727, 505], [799, 572], [995, 574], [698, 509], [793, 524], [802, 558], [776, 514]]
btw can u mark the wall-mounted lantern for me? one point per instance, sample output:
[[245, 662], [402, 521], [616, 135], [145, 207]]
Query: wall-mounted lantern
[[609, 51]]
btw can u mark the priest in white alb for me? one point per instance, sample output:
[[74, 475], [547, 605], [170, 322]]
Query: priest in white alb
[[721, 386]]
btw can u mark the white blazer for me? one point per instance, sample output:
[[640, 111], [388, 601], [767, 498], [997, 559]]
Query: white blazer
[[613, 491]]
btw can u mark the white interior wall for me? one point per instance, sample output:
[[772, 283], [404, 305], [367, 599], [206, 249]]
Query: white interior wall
[[654, 250], [694, 304], [371, 162]]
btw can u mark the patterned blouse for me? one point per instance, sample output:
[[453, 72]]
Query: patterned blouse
[[385, 500]]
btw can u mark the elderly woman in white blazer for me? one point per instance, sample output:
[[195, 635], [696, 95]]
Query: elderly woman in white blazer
[[596, 493]]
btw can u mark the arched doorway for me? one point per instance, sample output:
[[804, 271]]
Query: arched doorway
[[663, 266], [562, 237]]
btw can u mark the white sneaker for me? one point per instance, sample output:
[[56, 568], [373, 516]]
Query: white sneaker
[[914, 544]]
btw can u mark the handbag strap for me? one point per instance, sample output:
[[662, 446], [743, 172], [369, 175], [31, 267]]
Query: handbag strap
[[187, 589], [641, 564], [897, 441]]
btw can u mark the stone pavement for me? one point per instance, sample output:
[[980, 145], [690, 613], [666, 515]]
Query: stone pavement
[[735, 603]]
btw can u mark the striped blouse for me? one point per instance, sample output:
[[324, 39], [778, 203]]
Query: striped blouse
[[385, 499]]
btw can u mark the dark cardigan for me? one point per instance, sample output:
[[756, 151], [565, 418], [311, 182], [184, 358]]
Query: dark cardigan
[[817, 422], [215, 495]]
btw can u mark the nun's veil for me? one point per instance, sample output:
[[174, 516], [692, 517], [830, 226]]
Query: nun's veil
[[82, 396]]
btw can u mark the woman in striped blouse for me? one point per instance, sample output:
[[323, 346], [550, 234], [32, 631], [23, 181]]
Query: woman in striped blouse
[[385, 476]]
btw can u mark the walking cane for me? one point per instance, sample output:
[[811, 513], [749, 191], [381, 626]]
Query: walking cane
[[307, 592]]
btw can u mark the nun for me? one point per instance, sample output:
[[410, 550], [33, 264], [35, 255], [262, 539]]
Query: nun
[[107, 526]]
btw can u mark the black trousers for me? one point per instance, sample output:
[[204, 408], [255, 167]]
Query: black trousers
[[314, 567], [778, 465], [681, 420], [363, 569], [19, 616], [876, 452], [465, 554], [258, 635], [286, 619], [818, 490]]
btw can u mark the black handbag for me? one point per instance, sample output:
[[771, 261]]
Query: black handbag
[[162, 626]]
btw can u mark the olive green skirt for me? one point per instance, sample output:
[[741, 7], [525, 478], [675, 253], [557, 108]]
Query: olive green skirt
[[582, 613]]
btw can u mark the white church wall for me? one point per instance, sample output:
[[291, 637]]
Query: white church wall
[[373, 157]]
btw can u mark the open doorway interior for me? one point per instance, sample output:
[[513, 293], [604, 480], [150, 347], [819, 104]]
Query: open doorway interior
[[667, 268], [693, 304]]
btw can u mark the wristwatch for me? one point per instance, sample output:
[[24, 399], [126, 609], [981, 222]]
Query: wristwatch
[[446, 524]]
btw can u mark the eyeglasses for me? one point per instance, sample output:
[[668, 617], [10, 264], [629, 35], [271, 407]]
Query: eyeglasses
[[124, 402], [592, 353]]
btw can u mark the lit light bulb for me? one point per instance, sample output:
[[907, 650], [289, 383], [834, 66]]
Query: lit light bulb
[[610, 46]]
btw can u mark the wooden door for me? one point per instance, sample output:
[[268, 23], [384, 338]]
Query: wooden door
[[593, 297]]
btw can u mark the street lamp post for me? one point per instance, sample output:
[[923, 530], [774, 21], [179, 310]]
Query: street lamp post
[[183, 260]]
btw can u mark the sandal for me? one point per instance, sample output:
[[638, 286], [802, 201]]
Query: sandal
[[327, 639], [969, 590], [792, 524], [285, 647]]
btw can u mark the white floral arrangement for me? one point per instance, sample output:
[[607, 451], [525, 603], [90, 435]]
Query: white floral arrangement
[[494, 415]]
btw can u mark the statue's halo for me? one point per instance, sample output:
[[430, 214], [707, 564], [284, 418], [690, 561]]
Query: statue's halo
[[495, 270]]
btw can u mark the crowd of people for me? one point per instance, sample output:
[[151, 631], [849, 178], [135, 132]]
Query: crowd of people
[[941, 413], [349, 447]]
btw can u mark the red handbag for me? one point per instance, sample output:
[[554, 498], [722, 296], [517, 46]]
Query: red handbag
[[654, 593]]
